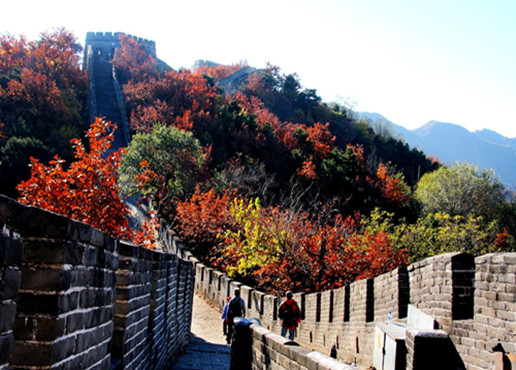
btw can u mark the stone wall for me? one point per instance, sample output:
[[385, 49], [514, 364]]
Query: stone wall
[[121, 105], [493, 327], [272, 351], [73, 297], [10, 275], [472, 300]]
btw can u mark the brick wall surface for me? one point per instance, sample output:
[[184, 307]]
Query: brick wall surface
[[72, 297], [494, 323], [10, 274], [132, 306], [271, 352]]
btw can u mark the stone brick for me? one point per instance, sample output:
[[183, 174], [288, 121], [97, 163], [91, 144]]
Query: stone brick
[[41, 250], [98, 238], [127, 250], [7, 313], [13, 213], [87, 298], [103, 278], [45, 279], [6, 347], [27, 354], [24, 328], [10, 283], [45, 328], [63, 348], [41, 303], [45, 224], [81, 276], [10, 251], [91, 256], [75, 321], [68, 302]]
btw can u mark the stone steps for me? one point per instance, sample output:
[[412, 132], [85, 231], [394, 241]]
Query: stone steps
[[107, 104]]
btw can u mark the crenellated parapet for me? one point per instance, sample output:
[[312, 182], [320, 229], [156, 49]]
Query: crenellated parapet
[[104, 44]]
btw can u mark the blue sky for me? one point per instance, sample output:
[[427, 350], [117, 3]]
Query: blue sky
[[412, 61]]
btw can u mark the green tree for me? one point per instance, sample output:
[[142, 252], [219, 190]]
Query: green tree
[[14, 161], [171, 159], [461, 190], [438, 233]]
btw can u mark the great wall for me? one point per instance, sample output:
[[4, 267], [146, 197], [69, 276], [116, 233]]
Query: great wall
[[72, 297]]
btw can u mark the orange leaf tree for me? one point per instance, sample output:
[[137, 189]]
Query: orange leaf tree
[[87, 191], [201, 219], [393, 188]]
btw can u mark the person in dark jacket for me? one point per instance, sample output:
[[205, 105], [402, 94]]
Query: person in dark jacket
[[290, 316], [236, 308]]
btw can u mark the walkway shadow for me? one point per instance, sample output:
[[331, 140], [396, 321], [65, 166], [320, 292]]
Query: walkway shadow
[[201, 354]]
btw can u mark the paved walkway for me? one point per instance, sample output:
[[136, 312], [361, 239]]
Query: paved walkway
[[208, 348]]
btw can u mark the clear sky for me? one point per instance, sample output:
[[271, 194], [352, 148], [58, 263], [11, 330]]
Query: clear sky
[[411, 61]]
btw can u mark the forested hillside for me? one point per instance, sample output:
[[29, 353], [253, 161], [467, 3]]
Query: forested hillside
[[42, 101], [267, 182]]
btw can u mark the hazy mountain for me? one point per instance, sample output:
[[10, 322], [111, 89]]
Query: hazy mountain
[[453, 143]]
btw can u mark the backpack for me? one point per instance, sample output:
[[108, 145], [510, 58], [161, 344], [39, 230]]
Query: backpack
[[234, 308], [288, 315]]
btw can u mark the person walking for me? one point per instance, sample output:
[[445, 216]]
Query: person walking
[[290, 316], [236, 308], [225, 317]]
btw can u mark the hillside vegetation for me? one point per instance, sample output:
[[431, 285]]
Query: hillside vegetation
[[280, 189]]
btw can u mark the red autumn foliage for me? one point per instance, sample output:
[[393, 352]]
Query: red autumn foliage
[[182, 99], [36, 95], [87, 191], [328, 256], [502, 240], [309, 255], [44, 86], [201, 219], [322, 139], [12, 53], [358, 150], [148, 236], [308, 169], [56, 55], [134, 61], [317, 138], [393, 189], [253, 105]]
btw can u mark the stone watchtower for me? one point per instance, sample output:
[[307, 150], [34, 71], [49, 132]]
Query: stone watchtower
[[104, 44]]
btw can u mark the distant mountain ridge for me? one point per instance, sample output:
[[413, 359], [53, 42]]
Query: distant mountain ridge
[[452, 143]]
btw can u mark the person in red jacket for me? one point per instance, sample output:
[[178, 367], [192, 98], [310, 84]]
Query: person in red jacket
[[290, 316]]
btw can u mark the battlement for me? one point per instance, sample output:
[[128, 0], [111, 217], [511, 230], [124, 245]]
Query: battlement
[[102, 36], [113, 36], [104, 44]]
